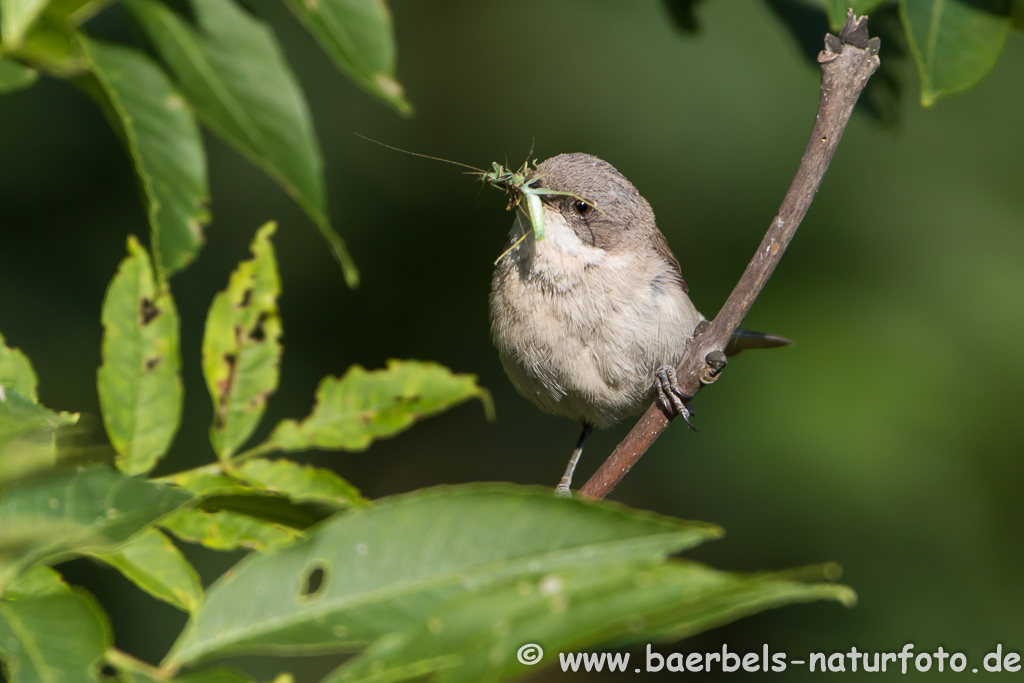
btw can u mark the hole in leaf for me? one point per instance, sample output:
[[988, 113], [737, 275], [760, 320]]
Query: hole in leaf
[[313, 582], [246, 298], [108, 671], [257, 333], [152, 363], [147, 311]]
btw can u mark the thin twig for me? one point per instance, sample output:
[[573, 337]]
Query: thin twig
[[847, 63]]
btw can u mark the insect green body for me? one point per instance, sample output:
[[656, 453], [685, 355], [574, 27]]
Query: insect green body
[[536, 208], [520, 184]]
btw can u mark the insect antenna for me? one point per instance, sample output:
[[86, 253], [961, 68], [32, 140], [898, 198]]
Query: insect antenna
[[425, 156], [526, 164]]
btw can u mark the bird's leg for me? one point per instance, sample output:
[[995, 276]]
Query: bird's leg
[[671, 397], [562, 489]]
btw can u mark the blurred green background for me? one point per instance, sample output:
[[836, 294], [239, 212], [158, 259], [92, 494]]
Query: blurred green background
[[886, 438]]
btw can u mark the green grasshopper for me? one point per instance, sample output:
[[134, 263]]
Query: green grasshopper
[[519, 185]]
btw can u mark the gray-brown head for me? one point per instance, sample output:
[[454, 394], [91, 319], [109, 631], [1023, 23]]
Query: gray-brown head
[[612, 211]]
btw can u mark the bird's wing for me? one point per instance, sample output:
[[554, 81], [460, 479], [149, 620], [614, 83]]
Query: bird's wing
[[661, 246], [742, 339]]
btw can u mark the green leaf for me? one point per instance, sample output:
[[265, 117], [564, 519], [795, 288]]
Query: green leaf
[[233, 73], [225, 530], [386, 567], [165, 146], [53, 46], [354, 410], [255, 516], [139, 382], [269, 508], [16, 18], [954, 42], [358, 36], [26, 429], [152, 562], [40, 580], [726, 596], [15, 369], [242, 347], [22, 417], [14, 76], [276, 479], [27, 435], [477, 638], [301, 483], [49, 519], [208, 480], [836, 10], [56, 638]]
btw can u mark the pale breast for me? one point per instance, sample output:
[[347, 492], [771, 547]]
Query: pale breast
[[580, 331]]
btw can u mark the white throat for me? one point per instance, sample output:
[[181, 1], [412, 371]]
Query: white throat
[[561, 257]]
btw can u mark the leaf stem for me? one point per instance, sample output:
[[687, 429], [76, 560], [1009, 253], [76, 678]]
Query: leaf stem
[[255, 451]]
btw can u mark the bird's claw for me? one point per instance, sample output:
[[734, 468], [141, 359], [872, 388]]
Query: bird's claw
[[671, 397]]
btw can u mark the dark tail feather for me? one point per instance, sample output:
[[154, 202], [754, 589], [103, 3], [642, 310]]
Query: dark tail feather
[[745, 339]]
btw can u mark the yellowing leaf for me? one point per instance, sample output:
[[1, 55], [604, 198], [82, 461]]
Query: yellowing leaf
[[224, 530], [16, 371], [139, 382], [16, 18], [301, 483], [153, 563], [354, 410], [242, 347]]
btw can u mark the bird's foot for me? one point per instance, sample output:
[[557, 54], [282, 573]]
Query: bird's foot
[[671, 397]]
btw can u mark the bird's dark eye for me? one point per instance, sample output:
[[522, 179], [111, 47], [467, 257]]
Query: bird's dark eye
[[581, 207]]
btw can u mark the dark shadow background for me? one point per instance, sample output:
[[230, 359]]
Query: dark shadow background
[[887, 438]]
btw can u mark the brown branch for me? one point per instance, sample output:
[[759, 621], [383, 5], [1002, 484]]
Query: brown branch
[[847, 63]]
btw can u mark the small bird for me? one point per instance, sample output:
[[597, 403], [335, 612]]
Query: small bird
[[591, 321]]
